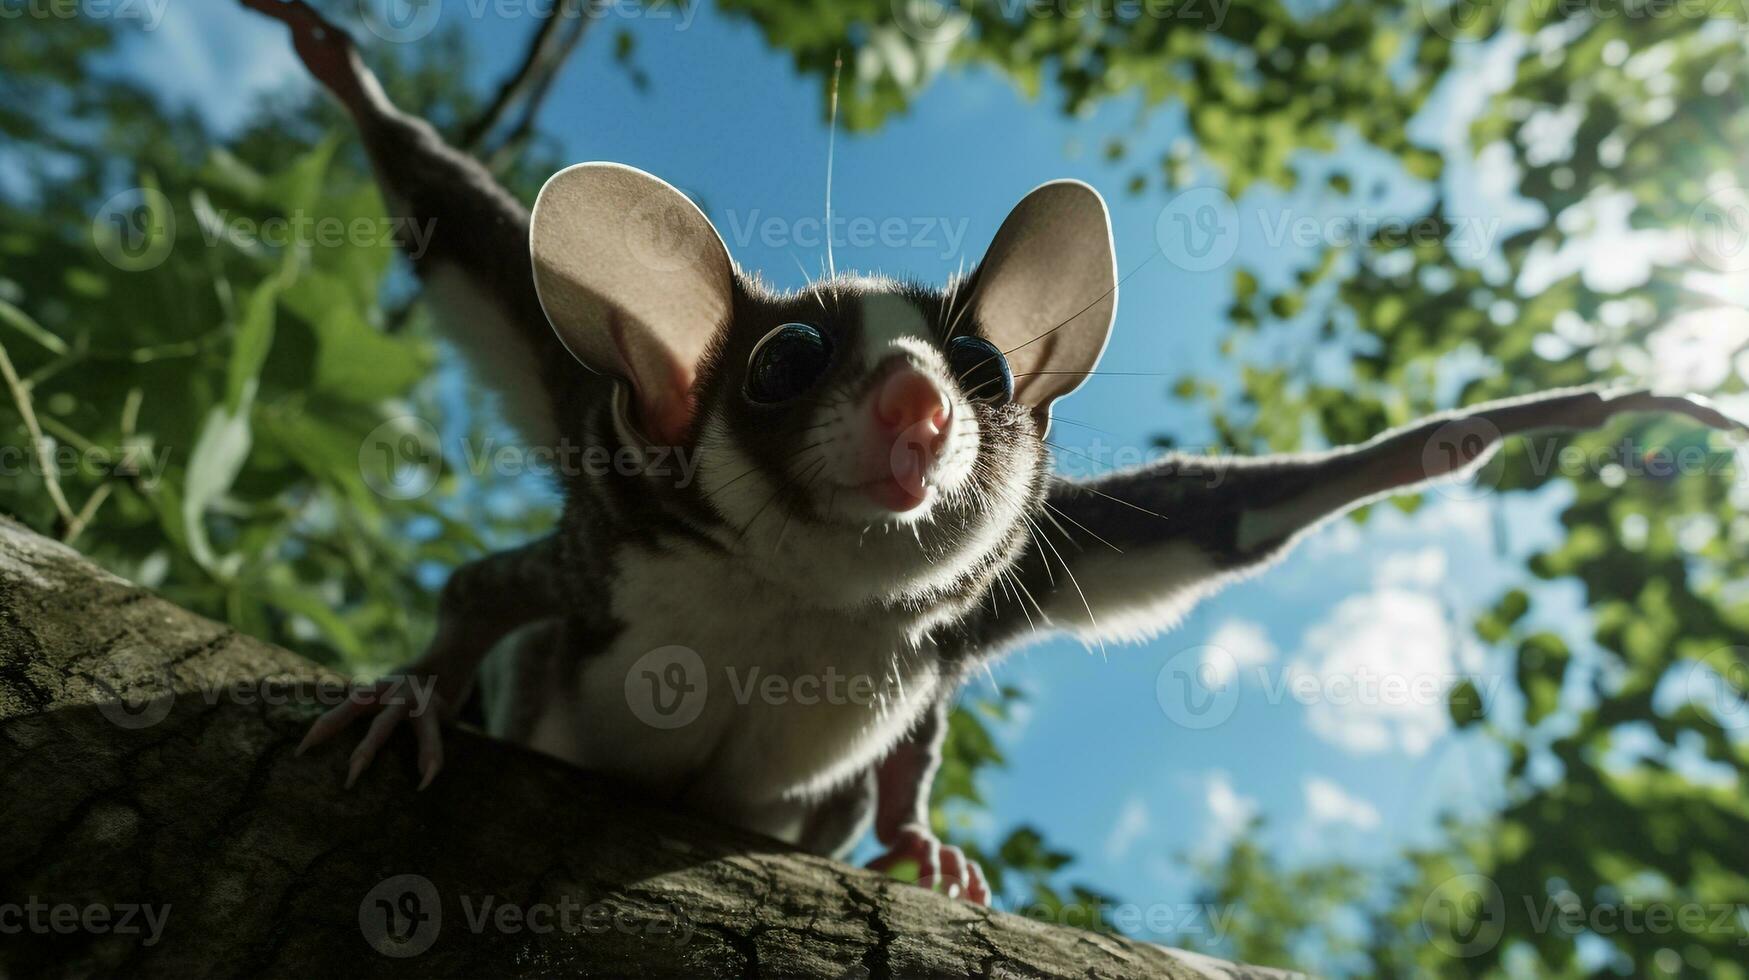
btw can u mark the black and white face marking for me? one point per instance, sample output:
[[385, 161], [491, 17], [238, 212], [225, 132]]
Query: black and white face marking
[[838, 439], [861, 440]]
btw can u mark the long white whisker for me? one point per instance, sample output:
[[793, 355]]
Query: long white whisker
[[831, 149], [1080, 525], [1091, 619]]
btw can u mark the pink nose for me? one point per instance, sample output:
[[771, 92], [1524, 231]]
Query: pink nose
[[911, 421], [908, 404]]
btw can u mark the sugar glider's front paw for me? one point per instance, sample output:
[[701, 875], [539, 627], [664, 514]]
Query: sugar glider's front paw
[[940, 867], [414, 697]]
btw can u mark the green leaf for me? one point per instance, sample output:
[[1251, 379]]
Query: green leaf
[[1464, 702], [294, 189], [218, 456], [18, 320], [293, 598], [253, 340], [354, 360]]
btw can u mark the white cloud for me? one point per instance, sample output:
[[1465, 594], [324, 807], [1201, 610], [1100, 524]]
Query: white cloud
[[1246, 644], [1131, 823], [1229, 812], [1328, 803], [1607, 251], [1693, 352], [1423, 568], [1341, 537], [219, 60], [1470, 516], [1374, 672]]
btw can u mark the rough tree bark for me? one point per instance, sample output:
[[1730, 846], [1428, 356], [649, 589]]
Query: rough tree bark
[[154, 821]]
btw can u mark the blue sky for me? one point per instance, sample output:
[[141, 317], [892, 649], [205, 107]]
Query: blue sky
[[1098, 761]]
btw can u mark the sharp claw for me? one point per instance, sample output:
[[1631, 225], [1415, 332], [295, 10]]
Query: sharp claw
[[373, 740], [359, 762], [331, 723], [939, 866], [953, 871], [430, 746], [976, 890], [929, 865]]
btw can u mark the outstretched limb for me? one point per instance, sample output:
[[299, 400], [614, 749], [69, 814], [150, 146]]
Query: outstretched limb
[[482, 602], [1125, 555], [465, 234], [903, 780]]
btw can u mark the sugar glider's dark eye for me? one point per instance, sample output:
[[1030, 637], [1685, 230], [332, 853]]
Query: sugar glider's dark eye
[[786, 362], [982, 370]]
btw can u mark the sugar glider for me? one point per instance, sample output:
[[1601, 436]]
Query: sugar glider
[[872, 499]]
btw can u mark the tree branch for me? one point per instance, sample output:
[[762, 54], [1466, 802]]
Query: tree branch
[[546, 54], [500, 156], [45, 460], [147, 771]]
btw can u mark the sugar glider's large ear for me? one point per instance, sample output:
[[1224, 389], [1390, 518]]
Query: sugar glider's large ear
[[635, 281], [1046, 291]]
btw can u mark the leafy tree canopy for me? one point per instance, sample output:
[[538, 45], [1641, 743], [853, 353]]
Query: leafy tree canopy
[[1615, 115]]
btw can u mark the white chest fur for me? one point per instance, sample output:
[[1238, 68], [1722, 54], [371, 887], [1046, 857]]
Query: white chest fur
[[732, 693]]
